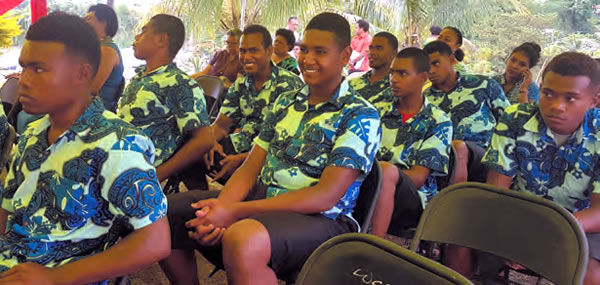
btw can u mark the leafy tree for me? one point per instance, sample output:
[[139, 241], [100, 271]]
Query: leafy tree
[[9, 28]]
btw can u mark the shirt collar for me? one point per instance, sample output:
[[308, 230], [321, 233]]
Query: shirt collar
[[338, 99], [393, 108], [367, 75], [165, 68], [537, 125], [249, 80], [83, 126]]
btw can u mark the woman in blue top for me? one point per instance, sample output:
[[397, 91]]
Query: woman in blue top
[[517, 80], [110, 73]]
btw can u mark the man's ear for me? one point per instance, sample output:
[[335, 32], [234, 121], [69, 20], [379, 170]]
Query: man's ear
[[83, 73], [346, 52]]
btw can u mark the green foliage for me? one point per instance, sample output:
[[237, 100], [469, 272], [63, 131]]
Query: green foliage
[[128, 22], [9, 28]]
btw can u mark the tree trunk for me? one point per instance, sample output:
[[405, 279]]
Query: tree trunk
[[110, 3]]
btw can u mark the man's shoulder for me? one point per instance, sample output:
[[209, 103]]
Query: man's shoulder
[[285, 76], [438, 115]]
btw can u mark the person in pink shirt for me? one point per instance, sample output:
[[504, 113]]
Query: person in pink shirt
[[360, 47]]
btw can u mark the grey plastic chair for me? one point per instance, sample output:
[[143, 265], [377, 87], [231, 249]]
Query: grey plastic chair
[[214, 91], [357, 258], [9, 93], [526, 229]]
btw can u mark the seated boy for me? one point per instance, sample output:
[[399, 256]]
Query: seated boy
[[552, 150], [164, 102], [314, 150], [415, 141], [81, 178], [474, 103], [249, 100]]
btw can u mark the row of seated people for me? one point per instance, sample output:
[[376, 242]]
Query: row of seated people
[[83, 177]]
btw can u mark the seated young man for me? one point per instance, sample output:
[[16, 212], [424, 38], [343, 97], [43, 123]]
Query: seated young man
[[374, 85], [248, 100], [164, 102], [474, 103], [315, 148], [415, 141], [533, 146], [81, 177]]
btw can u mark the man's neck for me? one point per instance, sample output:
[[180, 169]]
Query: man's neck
[[449, 84], [157, 61], [323, 93], [410, 104], [379, 74], [262, 77], [62, 120]]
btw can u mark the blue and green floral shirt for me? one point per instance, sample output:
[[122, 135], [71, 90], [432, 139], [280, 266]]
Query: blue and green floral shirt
[[378, 93], [74, 198], [474, 106], [524, 148], [167, 105], [290, 64], [248, 107], [301, 140], [533, 90], [423, 140]]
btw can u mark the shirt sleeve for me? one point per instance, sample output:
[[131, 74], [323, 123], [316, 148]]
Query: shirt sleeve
[[499, 155], [188, 105], [131, 186], [433, 152], [497, 98], [231, 103], [533, 92], [357, 141]]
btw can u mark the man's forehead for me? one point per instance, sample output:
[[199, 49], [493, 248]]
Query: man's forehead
[[41, 51]]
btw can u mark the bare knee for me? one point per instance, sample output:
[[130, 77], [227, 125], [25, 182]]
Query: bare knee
[[592, 275], [246, 241], [462, 151], [389, 172]]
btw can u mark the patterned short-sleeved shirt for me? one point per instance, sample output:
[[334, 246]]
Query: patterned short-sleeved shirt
[[73, 199], [523, 147], [167, 105], [474, 106], [3, 126], [422, 140], [290, 64], [301, 140], [533, 90], [378, 93], [248, 107]]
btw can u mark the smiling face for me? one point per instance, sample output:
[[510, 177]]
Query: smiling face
[[321, 59], [381, 53], [564, 100], [253, 55]]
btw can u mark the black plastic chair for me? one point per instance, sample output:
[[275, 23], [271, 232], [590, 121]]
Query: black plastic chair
[[358, 258], [521, 227], [9, 93], [7, 146], [214, 92]]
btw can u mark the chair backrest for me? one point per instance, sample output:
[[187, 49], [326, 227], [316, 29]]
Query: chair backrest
[[445, 181], [118, 95], [7, 146], [521, 227], [9, 92], [213, 88], [358, 258], [367, 197]]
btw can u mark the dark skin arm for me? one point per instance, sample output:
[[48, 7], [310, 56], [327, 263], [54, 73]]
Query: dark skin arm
[[499, 180], [192, 151], [417, 174], [142, 247], [589, 219]]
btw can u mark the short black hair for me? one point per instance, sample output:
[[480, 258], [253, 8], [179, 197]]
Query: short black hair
[[435, 30], [363, 25], [531, 50], [418, 56], [105, 13], [392, 40], [235, 33], [334, 23], [288, 36], [173, 27], [258, 29], [78, 37], [437, 46], [574, 64]]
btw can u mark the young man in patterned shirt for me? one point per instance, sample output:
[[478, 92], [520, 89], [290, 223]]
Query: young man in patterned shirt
[[415, 141], [474, 103], [374, 85], [81, 178], [315, 148], [164, 102], [553, 150], [248, 101]]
